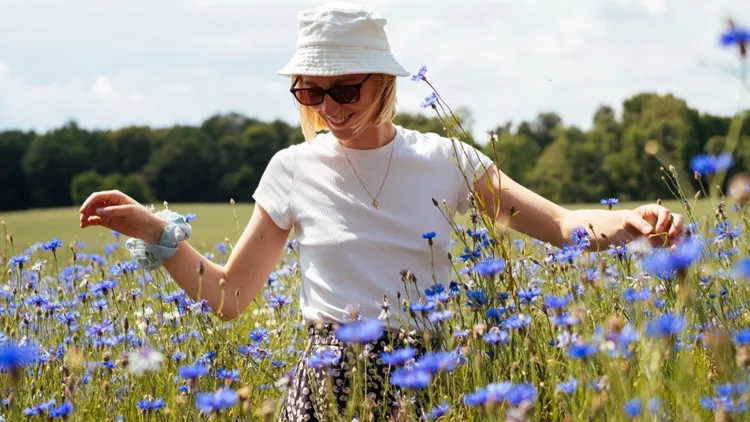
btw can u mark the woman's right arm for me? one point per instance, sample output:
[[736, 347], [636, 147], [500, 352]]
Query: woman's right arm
[[247, 269], [249, 264]]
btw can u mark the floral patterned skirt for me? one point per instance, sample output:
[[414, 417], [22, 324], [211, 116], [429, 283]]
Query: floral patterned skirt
[[321, 382]]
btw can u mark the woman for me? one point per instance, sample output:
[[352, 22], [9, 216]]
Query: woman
[[360, 198]]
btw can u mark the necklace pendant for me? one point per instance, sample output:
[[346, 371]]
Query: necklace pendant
[[375, 204]]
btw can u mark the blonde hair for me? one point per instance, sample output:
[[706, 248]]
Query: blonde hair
[[381, 111]]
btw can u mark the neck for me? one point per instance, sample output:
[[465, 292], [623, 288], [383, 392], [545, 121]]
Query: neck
[[371, 138]]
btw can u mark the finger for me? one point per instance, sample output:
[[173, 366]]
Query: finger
[[115, 211], [678, 227], [92, 220], [638, 223], [662, 221], [97, 199]]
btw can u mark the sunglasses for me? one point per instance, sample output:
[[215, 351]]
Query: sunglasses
[[344, 94]]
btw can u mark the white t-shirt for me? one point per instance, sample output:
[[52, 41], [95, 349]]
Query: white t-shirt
[[350, 252]]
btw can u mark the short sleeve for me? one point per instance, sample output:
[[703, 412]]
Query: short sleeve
[[274, 192], [473, 163]]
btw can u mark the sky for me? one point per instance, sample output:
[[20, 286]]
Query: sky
[[110, 64]]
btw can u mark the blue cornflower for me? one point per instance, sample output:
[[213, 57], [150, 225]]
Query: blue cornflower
[[37, 300], [39, 408], [529, 295], [360, 331], [99, 304], [190, 217], [100, 289], [633, 408], [582, 351], [742, 338], [631, 295], [52, 245], [398, 356], [710, 164], [735, 36], [667, 325], [435, 289], [228, 374], [14, 357], [411, 378], [476, 298], [515, 394], [517, 321], [495, 336], [215, 402], [557, 302], [419, 75], [438, 361], [221, 247], [619, 251], [564, 319], [610, 202], [62, 410], [192, 371], [278, 300], [99, 329], [439, 316], [430, 101], [724, 230], [567, 387], [428, 235], [490, 267], [496, 313], [323, 358], [421, 307], [439, 410], [661, 261], [580, 237], [654, 404], [258, 335], [150, 406], [19, 261], [568, 253], [469, 254]]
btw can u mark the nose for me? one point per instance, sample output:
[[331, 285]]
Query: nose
[[328, 107]]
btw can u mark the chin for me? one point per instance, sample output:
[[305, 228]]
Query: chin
[[344, 134]]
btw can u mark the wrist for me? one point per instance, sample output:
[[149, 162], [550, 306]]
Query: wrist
[[157, 229]]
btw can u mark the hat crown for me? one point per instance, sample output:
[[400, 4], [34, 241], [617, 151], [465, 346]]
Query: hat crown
[[342, 24]]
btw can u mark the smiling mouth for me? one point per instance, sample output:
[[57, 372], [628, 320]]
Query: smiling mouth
[[340, 121]]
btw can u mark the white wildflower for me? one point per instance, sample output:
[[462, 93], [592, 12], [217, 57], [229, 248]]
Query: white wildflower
[[144, 360]]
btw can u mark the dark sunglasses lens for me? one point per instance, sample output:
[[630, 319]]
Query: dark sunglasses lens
[[309, 96], [345, 94]]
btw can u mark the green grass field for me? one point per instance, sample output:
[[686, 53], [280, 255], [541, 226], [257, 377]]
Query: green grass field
[[214, 223]]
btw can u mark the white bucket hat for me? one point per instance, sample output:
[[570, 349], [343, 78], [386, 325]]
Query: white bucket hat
[[340, 39]]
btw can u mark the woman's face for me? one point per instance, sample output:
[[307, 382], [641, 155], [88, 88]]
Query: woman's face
[[338, 117]]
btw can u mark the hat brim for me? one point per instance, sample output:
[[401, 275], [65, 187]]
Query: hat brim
[[338, 60]]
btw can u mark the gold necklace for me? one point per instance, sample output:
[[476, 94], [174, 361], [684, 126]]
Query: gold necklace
[[375, 202]]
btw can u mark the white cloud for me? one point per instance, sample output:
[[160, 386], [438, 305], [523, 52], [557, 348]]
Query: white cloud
[[171, 61], [103, 89]]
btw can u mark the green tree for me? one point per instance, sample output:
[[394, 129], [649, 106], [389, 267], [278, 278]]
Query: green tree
[[184, 167], [15, 192], [85, 184], [53, 159], [132, 148]]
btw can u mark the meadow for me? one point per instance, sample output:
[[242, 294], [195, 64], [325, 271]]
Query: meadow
[[522, 331]]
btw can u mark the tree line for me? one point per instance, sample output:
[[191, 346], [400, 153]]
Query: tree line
[[225, 156]]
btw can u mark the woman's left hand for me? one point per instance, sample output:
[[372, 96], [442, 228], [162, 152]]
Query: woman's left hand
[[662, 227]]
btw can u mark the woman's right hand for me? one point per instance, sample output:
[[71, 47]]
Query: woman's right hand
[[121, 213]]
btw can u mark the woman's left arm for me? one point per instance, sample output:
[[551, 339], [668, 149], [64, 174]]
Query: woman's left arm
[[500, 197]]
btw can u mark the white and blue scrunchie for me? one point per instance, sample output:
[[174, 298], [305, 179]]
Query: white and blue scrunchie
[[151, 256]]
